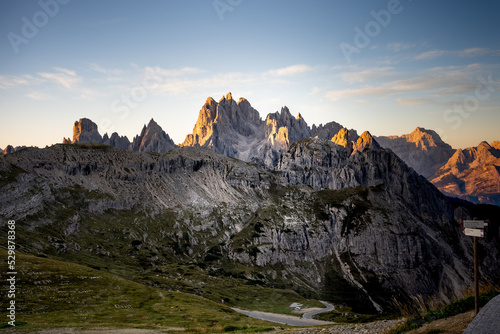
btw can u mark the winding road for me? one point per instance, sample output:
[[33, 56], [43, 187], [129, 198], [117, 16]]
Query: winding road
[[328, 307], [291, 320]]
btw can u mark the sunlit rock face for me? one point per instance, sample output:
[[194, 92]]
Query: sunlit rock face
[[423, 150], [472, 174], [235, 129]]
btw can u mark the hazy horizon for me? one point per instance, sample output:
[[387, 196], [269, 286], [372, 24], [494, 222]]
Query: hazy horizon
[[383, 66]]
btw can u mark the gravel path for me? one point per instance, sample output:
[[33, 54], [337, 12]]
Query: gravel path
[[377, 327]]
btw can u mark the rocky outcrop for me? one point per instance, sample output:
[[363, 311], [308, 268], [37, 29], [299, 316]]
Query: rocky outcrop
[[472, 174], [85, 131], [235, 129], [227, 127], [423, 150], [117, 141], [324, 165], [365, 141], [329, 130], [152, 139], [343, 138], [11, 149]]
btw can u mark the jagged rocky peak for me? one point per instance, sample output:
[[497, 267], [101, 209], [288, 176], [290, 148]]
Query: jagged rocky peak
[[85, 131], [117, 141], [366, 140], [343, 138], [216, 121], [11, 149], [282, 127], [153, 139], [425, 138], [329, 130], [228, 97]]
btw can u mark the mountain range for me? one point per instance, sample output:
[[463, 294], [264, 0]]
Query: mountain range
[[236, 130], [320, 210]]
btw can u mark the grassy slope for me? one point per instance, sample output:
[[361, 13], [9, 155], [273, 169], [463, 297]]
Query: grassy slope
[[52, 293]]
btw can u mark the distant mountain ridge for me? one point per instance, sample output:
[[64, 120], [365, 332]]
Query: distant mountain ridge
[[472, 174], [423, 150]]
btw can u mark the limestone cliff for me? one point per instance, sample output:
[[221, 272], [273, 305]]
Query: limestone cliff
[[117, 141], [85, 131], [235, 129]]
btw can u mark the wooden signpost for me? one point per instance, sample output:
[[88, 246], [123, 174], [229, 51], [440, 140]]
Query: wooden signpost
[[475, 228]]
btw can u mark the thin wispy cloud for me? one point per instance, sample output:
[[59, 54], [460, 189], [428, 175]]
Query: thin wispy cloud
[[478, 52], [290, 70], [184, 80], [63, 77], [451, 80], [469, 53], [173, 72], [13, 81], [100, 69], [414, 101], [39, 96], [430, 54], [367, 74]]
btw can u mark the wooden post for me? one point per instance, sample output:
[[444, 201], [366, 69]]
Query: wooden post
[[476, 277]]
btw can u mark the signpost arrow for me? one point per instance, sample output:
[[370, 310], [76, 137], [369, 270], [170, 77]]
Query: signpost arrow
[[474, 232], [481, 224]]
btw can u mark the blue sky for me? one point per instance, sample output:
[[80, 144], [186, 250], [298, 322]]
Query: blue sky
[[382, 66]]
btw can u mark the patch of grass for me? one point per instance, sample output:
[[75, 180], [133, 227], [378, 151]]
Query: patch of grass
[[16, 324], [455, 308], [459, 306], [234, 289], [344, 314], [247, 329], [92, 146], [55, 294]]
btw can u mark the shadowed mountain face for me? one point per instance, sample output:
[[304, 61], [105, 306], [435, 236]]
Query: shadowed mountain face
[[358, 227]]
